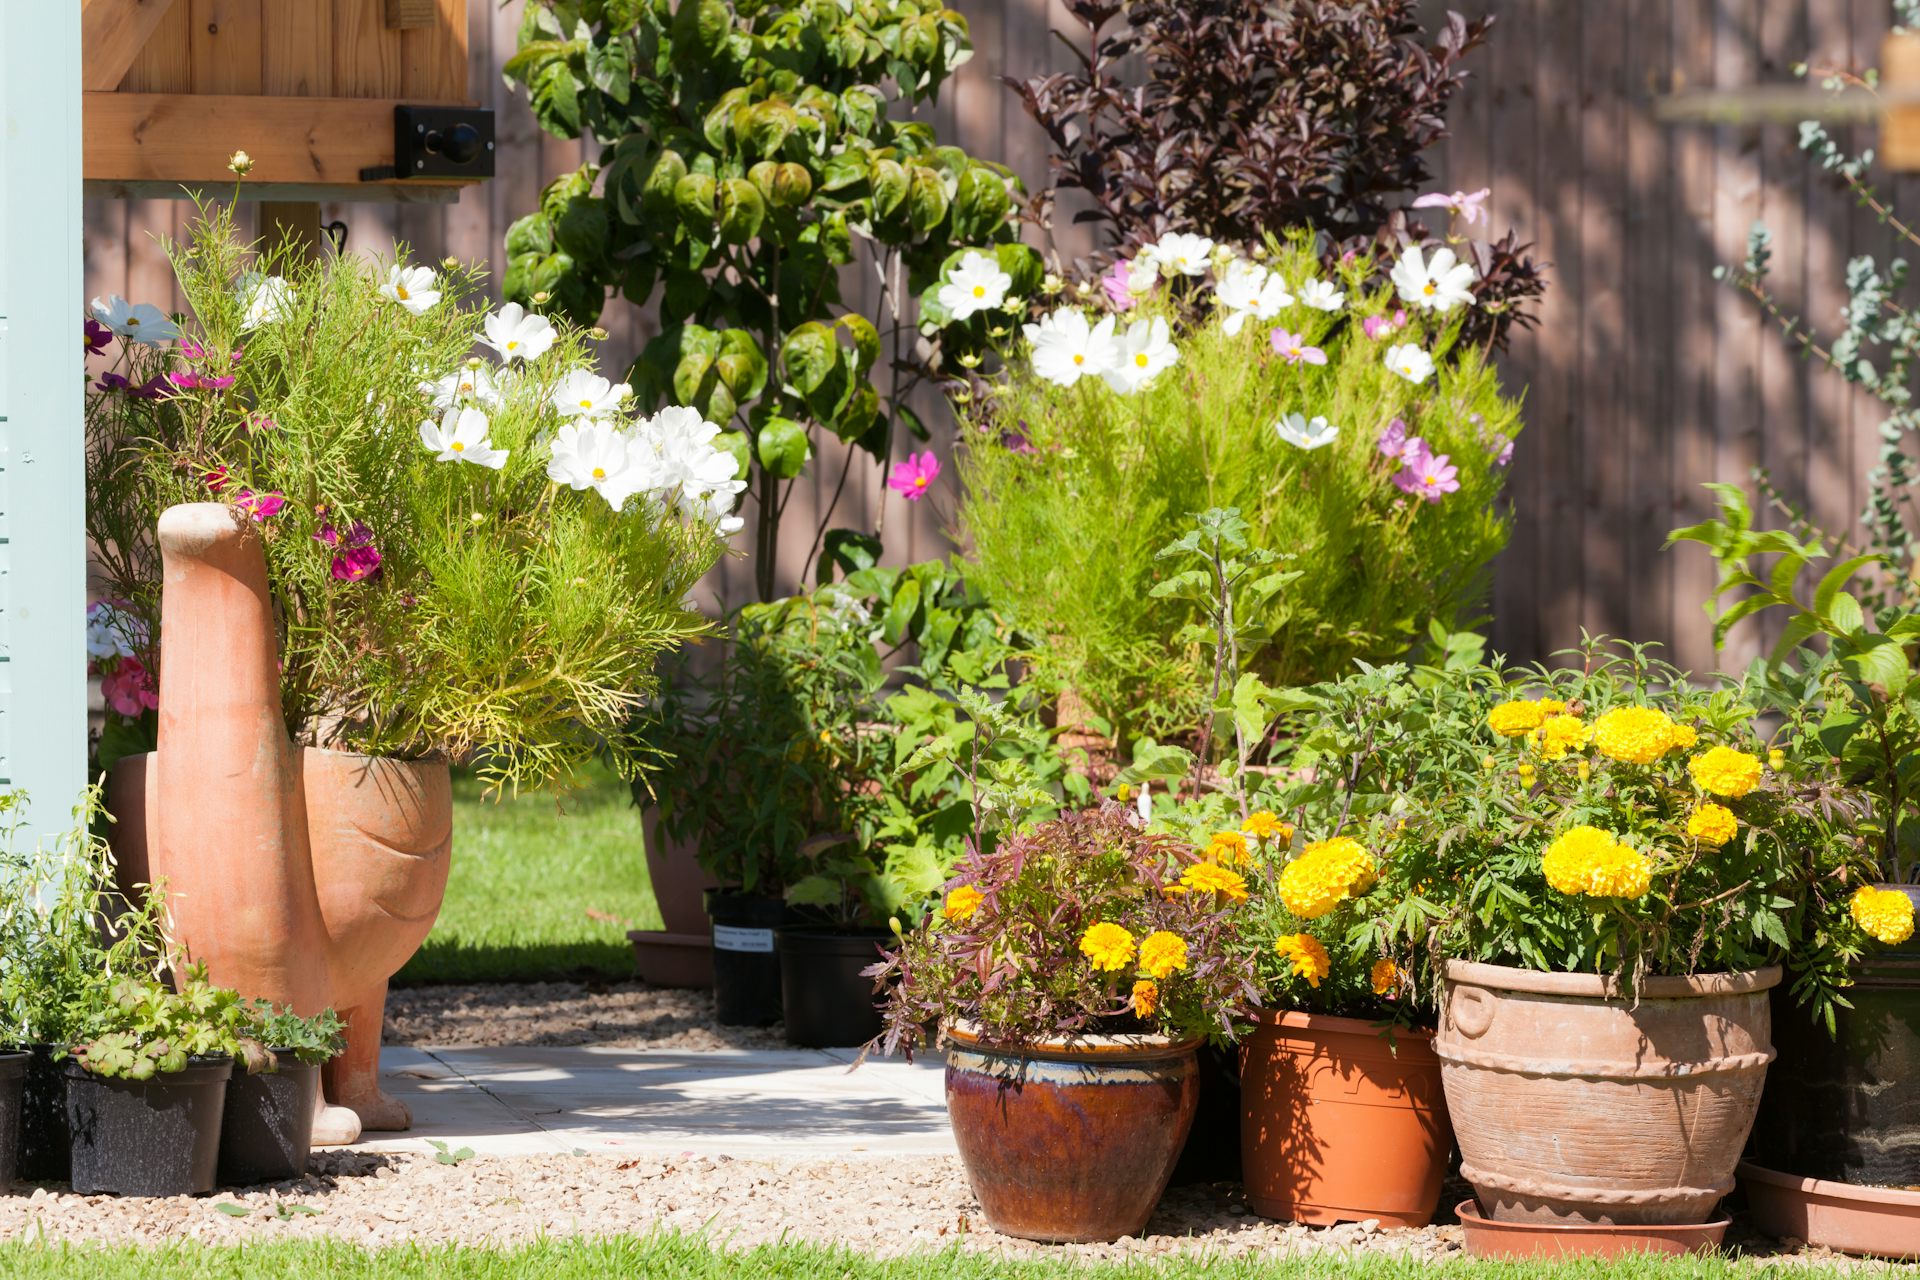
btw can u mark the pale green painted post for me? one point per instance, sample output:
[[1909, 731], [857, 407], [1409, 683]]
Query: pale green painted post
[[43, 680]]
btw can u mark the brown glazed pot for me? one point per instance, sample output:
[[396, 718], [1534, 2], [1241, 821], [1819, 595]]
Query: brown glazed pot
[[1340, 1124], [1574, 1103], [1070, 1141]]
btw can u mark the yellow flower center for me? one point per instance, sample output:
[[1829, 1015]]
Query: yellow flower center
[[599, 473], [919, 482], [133, 321], [459, 447], [1432, 478], [979, 291], [512, 343], [1406, 368], [400, 292], [1429, 289], [1078, 358], [586, 404], [1141, 360]]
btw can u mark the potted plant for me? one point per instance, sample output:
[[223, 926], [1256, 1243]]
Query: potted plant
[[1611, 870], [146, 1090], [1073, 972], [266, 1130], [382, 552]]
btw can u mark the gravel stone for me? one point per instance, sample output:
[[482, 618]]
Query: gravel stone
[[619, 1015]]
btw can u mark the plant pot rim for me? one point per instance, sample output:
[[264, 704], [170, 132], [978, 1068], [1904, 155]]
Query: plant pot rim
[[1304, 1020], [966, 1032], [861, 934], [1601, 986], [1826, 1188], [1468, 1211], [197, 1062], [434, 758]]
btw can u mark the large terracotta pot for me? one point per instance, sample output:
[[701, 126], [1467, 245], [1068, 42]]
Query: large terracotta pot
[[1341, 1122], [1070, 1140], [305, 877], [679, 882], [1575, 1103]]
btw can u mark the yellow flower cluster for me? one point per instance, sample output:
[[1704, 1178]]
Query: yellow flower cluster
[[1109, 946], [1145, 998], [1587, 860], [1385, 976], [1559, 735], [1227, 848], [1635, 735], [1309, 958], [1211, 877], [1326, 873], [1265, 824], [1712, 824], [1722, 771], [1515, 719], [1885, 914], [962, 903], [1162, 953]]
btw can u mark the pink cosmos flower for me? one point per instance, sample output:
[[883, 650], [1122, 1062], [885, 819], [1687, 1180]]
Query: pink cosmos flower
[[261, 506], [1375, 326], [912, 478], [185, 381], [1293, 348], [129, 688], [191, 349], [98, 336], [216, 479], [1471, 207], [218, 382], [1394, 442], [260, 422], [152, 389], [1426, 475], [357, 564], [1119, 296], [1503, 455]]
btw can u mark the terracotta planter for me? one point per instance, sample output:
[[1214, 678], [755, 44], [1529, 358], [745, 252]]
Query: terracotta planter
[[306, 877], [1339, 1124], [1070, 1141], [1528, 1241], [1841, 1106], [1879, 1222], [681, 953], [1573, 1103]]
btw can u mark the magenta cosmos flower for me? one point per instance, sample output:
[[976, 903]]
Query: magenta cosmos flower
[[1427, 475], [261, 506], [1375, 326], [355, 558], [912, 478], [98, 336], [1293, 348]]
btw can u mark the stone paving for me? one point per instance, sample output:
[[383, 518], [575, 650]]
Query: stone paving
[[543, 1100]]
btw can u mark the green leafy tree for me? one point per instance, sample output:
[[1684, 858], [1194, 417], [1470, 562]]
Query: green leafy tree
[[746, 146]]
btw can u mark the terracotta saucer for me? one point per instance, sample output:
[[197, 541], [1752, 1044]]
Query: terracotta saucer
[[1881, 1222], [1489, 1239]]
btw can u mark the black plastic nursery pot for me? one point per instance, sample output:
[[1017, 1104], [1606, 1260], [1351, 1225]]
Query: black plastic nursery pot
[[158, 1137], [266, 1129], [13, 1077], [746, 967], [1842, 1107], [827, 1003], [45, 1145]]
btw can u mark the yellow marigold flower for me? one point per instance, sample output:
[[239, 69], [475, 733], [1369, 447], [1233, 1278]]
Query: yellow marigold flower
[[1684, 736], [962, 902], [1163, 953], [1776, 759], [1550, 706], [1559, 735], [1227, 848], [1108, 945], [1619, 872], [1634, 735], [1211, 877], [1265, 824], [1722, 771], [1526, 772], [1326, 873], [1385, 976], [1712, 824], [1308, 956], [1885, 914], [1123, 793], [1515, 719], [1145, 998]]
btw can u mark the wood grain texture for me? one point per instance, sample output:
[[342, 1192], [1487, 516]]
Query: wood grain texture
[[112, 33]]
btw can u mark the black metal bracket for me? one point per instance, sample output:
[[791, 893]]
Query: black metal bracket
[[438, 142]]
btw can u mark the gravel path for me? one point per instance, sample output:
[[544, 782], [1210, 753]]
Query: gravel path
[[625, 1015]]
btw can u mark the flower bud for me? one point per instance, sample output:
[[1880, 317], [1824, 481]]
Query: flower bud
[[541, 298], [240, 163], [597, 334]]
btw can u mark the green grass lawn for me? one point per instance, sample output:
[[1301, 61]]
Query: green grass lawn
[[540, 890], [680, 1256]]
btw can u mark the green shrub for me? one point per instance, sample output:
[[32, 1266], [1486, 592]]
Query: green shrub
[[1073, 489]]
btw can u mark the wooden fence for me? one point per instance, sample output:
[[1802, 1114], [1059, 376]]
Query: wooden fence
[[1644, 379]]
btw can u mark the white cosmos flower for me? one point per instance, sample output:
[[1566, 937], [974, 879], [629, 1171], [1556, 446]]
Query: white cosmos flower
[[263, 299], [1410, 362], [584, 393], [518, 334], [137, 321], [471, 383], [1143, 272], [461, 436], [595, 455], [1248, 291], [1437, 285], [1322, 295], [1181, 254], [675, 450], [1306, 433], [1066, 348], [977, 284], [414, 288], [1146, 349]]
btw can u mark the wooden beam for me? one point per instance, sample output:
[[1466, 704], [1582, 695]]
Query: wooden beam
[[1899, 144], [184, 137], [113, 32]]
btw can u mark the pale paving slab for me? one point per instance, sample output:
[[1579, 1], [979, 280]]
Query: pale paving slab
[[547, 1100]]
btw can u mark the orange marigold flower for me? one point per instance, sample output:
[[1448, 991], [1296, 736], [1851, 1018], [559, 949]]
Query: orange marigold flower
[[1211, 877], [1310, 960], [1145, 998], [1227, 848], [962, 902], [1385, 977], [1108, 946]]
